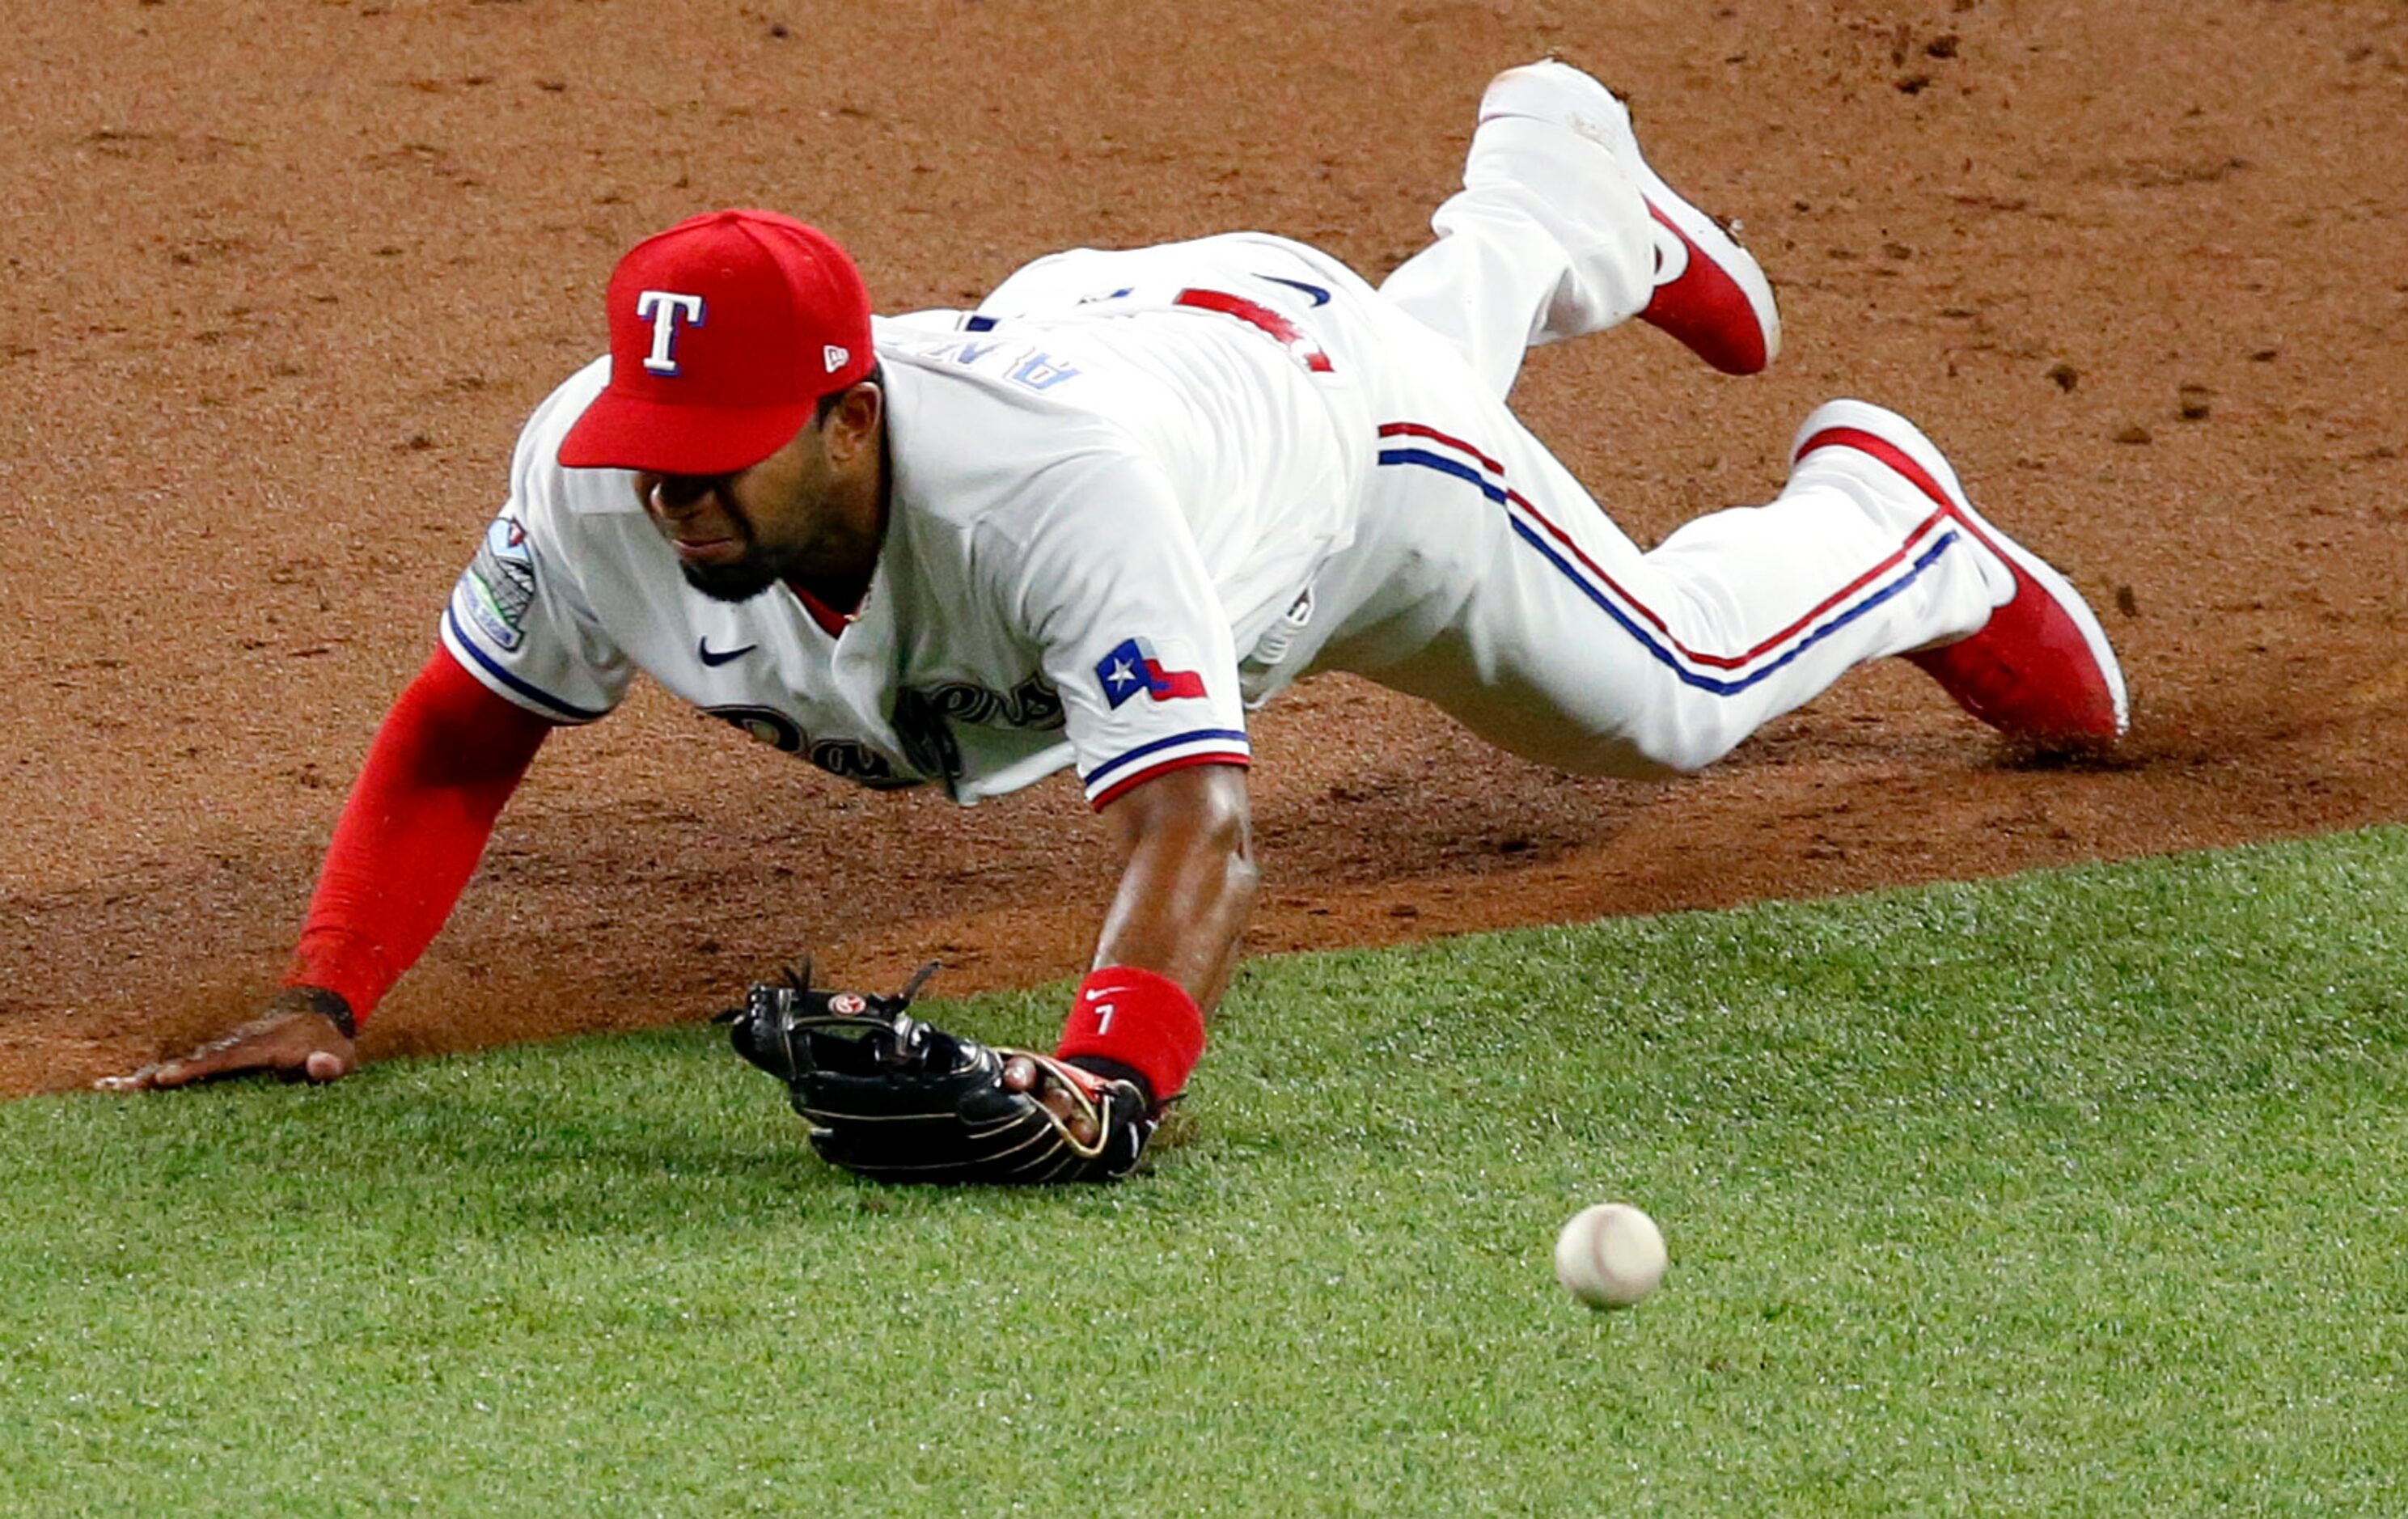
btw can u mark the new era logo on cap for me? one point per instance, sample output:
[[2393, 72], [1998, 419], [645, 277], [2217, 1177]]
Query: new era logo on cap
[[709, 323]]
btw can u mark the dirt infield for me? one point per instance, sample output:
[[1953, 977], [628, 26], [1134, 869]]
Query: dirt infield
[[282, 281]]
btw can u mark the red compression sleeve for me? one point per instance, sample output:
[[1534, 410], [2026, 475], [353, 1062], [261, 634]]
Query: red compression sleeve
[[1140, 1020], [447, 757]]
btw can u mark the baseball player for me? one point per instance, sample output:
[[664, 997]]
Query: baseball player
[[1093, 524]]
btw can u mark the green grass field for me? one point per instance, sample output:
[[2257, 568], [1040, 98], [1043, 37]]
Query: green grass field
[[2078, 1193]]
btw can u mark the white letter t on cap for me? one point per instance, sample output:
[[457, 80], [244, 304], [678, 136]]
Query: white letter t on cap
[[661, 309]]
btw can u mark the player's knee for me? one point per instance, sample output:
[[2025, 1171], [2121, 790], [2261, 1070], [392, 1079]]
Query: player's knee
[[1626, 756], [1685, 747]]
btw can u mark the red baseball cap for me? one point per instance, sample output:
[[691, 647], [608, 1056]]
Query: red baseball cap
[[725, 331]]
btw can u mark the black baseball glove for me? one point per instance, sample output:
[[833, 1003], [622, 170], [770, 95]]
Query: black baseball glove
[[894, 1099]]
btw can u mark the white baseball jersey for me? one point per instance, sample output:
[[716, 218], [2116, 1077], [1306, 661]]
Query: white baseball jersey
[[1138, 492], [1092, 512]]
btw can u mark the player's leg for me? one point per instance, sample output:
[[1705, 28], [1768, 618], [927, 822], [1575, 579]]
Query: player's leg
[[1499, 591], [1563, 228]]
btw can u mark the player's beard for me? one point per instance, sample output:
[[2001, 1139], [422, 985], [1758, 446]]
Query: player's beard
[[760, 566], [739, 579]]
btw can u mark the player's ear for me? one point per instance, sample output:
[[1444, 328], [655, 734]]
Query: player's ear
[[849, 428]]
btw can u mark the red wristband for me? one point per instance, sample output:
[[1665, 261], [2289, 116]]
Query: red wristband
[[1146, 1021]]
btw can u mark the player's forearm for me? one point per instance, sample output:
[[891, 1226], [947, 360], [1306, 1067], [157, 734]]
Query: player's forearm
[[1169, 940], [445, 759], [1188, 887]]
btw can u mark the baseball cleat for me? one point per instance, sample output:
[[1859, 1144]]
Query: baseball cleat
[[1709, 293], [2042, 667]]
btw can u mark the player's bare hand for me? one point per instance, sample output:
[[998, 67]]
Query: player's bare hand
[[293, 1040], [1030, 1077]]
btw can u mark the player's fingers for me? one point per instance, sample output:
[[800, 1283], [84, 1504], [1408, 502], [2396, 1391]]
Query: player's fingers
[[131, 1080], [1028, 1077], [1075, 1118], [195, 1068], [325, 1066]]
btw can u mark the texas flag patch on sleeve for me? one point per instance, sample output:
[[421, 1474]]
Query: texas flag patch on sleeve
[[1132, 667]]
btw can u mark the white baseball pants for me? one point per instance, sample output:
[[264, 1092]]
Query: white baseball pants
[[1486, 580]]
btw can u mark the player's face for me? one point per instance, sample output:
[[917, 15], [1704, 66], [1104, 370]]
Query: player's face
[[734, 535], [795, 515]]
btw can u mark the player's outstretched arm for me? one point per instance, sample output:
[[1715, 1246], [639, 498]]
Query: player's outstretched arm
[[447, 757], [1171, 939], [1189, 883]]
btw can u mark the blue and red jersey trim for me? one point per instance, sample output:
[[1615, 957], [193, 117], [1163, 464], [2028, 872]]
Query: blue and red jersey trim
[[526, 693], [1198, 746]]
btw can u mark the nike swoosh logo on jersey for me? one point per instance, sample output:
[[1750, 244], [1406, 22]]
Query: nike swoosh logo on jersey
[[1320, 296], [716, 657], [1103, 991]]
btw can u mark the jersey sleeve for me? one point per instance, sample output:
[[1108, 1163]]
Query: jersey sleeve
[[445, 760], [518, 620], [1109, 585]]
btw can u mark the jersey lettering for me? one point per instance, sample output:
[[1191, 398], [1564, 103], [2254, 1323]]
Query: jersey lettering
[[1032, 704], [1042, 372], [766, 724], [848, 758], [928, 737], [1030, 368], [661, 309], [859, 763]]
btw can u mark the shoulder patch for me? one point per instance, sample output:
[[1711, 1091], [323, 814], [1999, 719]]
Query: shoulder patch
[[498, 585], [1134, 665]]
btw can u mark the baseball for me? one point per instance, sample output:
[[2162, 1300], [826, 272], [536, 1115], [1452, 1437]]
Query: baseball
[[1609, 1256]]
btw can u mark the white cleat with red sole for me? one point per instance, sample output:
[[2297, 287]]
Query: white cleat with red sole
[[1709, 293], [2042, 667]]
